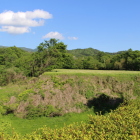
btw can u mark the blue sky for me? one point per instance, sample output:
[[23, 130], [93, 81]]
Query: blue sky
[[106, 25]]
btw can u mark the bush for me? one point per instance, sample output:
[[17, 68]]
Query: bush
[[8, 75], [40, 110]]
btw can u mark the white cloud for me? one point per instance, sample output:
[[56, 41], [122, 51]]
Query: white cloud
[[28, 18], [73, 38], [15, 30], [22, 20], [55, 35], [38, 14]]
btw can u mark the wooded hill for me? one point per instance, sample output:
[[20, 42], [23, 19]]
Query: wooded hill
[[16, 62], [75, 52], [23, 48]]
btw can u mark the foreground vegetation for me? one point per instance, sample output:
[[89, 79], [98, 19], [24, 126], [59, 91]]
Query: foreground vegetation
[[122, 123]]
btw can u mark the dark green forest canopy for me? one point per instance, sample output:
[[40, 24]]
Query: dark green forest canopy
[[84, 52]]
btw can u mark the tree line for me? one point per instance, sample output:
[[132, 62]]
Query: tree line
[[16, 63]]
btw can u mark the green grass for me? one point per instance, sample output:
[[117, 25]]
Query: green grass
[[10, 90], [121, 75], [104, 72], [24, 126], [114, 73]]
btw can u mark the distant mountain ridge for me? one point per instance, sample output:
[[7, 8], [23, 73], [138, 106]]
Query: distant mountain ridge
[[28, 49], [84, 52], [76, 52], [2, 46], [23, 48]]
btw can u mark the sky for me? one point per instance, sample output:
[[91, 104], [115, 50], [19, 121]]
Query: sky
[[106, 25]]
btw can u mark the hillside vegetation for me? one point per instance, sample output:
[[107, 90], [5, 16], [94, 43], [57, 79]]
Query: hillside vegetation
[[63, 91], [57, 93], [54, 84], [16, 63]]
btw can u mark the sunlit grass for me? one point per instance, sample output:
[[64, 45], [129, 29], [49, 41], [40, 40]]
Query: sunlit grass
[[75, 71], [24, 126], [121, 74], [10, 90]]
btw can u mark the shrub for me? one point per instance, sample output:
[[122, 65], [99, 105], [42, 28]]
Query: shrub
[[41, 110], [25, 94]]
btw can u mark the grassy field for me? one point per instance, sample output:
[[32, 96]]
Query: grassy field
[[119, 74], [73, 71], [25, 126], [115, 73]]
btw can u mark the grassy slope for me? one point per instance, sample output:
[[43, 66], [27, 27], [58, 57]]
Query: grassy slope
[[26, 126]]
